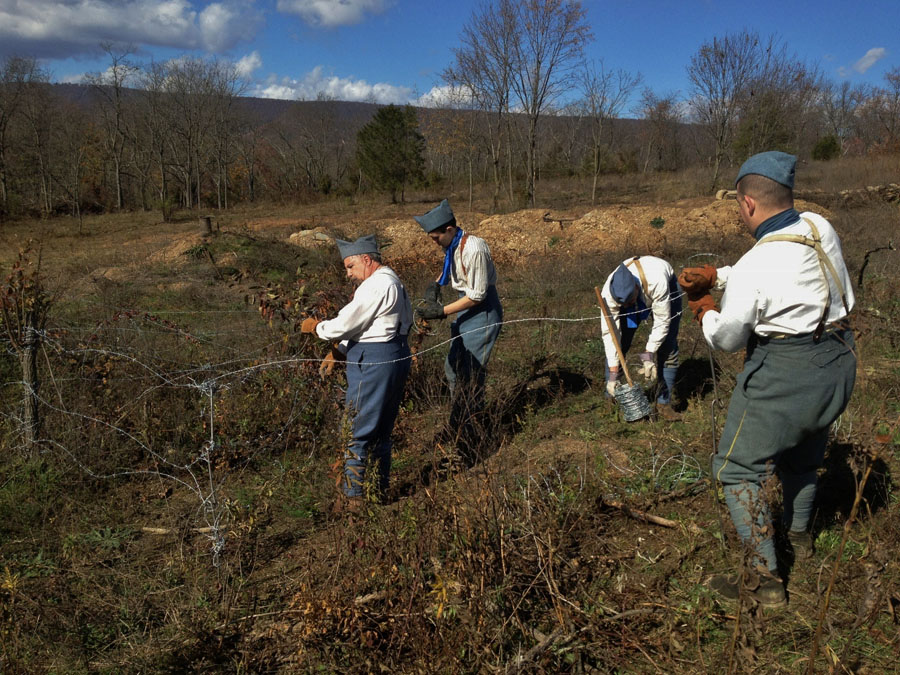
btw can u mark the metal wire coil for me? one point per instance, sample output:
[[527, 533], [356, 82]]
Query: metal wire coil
[[633, 401]]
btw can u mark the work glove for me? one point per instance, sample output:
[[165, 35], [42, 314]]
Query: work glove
[[433, 292], [612, 382], [334, 356], [695, 281], [432, 309], [701, 305], [648, 366], [309, 325]]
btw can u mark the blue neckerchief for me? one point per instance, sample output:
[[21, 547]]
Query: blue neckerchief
[[448, 257], [776, 222], [636, 313]]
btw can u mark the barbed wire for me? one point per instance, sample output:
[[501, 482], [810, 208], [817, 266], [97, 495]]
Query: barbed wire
[[198, 472]]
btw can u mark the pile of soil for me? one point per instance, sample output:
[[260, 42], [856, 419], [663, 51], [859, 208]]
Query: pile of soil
[[514, 236]]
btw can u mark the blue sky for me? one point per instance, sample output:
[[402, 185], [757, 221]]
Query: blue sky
[[394, 50]]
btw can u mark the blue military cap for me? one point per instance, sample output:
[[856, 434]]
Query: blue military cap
[[622, 284], [779, 166], [439, 216], [366, 244]]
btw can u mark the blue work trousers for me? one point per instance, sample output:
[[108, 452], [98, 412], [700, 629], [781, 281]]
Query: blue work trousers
[[667, 354], [376, 376], [473, 334]]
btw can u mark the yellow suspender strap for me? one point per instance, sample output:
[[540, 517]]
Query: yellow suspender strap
[[640, 270]]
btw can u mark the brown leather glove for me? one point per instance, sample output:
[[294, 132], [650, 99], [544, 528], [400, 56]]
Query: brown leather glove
[[701, 305], [309, 325], [333, 357], [695, 281]]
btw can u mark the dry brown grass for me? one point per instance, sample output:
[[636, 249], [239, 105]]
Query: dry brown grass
[[518, 564]]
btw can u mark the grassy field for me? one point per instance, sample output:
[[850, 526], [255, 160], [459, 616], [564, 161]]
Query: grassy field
[[174, 512]]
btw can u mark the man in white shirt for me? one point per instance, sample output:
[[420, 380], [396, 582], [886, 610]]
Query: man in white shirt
[[638, 287], [469, 270], [787, 300], [371, 331]]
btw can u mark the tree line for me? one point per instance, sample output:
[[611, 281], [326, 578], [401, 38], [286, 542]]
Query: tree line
[[522, 104]]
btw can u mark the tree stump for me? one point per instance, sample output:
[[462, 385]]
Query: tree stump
[[206, 226]]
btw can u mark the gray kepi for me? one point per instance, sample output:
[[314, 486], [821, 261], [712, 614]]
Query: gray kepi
[[440, 216], [366, 244], [778, 166]]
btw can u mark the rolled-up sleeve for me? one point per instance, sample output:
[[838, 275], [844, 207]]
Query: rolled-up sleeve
[[355, 316], [729, 328], [477, 264]]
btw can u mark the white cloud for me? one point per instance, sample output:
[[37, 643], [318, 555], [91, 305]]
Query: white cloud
[[331, 13], [62, 28], [870, 59], [444, 97], [316, 83], [248, 64]]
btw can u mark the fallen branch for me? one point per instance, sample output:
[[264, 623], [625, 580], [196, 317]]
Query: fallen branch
[[168, 530], [534, 652], [647, 517]]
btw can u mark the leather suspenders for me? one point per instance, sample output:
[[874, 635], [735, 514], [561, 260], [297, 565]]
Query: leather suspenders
[[825, 265], [634, 261]]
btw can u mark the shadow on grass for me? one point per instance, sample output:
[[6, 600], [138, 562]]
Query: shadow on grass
[[695, 379], [488, 429], [837, 486]]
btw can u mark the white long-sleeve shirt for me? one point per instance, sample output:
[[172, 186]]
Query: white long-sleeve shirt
[[379, 310], [777, 288], [658, 273], [480, 272]]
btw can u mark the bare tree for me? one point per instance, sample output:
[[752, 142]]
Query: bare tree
[[547, 51], [779, 104], [482, 73], [661, 147], [839, 105], [110, 88], [15, 75], [40, 112], [720, 74], [75, 142], [886, 109], [605, 93], [156, 130]]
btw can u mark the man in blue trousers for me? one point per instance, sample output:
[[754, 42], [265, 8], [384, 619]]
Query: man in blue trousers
[[786, 301], [469, 270], [640, 287], [371, 331]]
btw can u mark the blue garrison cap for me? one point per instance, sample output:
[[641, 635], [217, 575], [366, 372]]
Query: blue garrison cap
[[779, 166], [439, 216], [362, 245], [622, 284]]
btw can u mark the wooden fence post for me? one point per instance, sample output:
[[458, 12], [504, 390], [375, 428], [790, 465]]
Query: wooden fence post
[[30, 385]]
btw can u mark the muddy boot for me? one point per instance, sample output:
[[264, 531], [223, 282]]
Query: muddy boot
[[764, 587], [344, 505], [667, 412], [802, 543]]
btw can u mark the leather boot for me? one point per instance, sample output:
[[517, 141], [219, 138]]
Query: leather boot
[[802, 543], [764, 587]]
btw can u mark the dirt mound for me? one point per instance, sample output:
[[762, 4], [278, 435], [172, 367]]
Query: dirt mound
[[514, 236], [176, 249]]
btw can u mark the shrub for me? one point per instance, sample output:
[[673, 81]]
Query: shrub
[[827, 148]]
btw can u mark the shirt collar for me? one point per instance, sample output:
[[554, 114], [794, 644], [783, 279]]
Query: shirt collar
[[776, 222]]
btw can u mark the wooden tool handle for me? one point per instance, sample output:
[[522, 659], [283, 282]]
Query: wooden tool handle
[[613, 333]]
